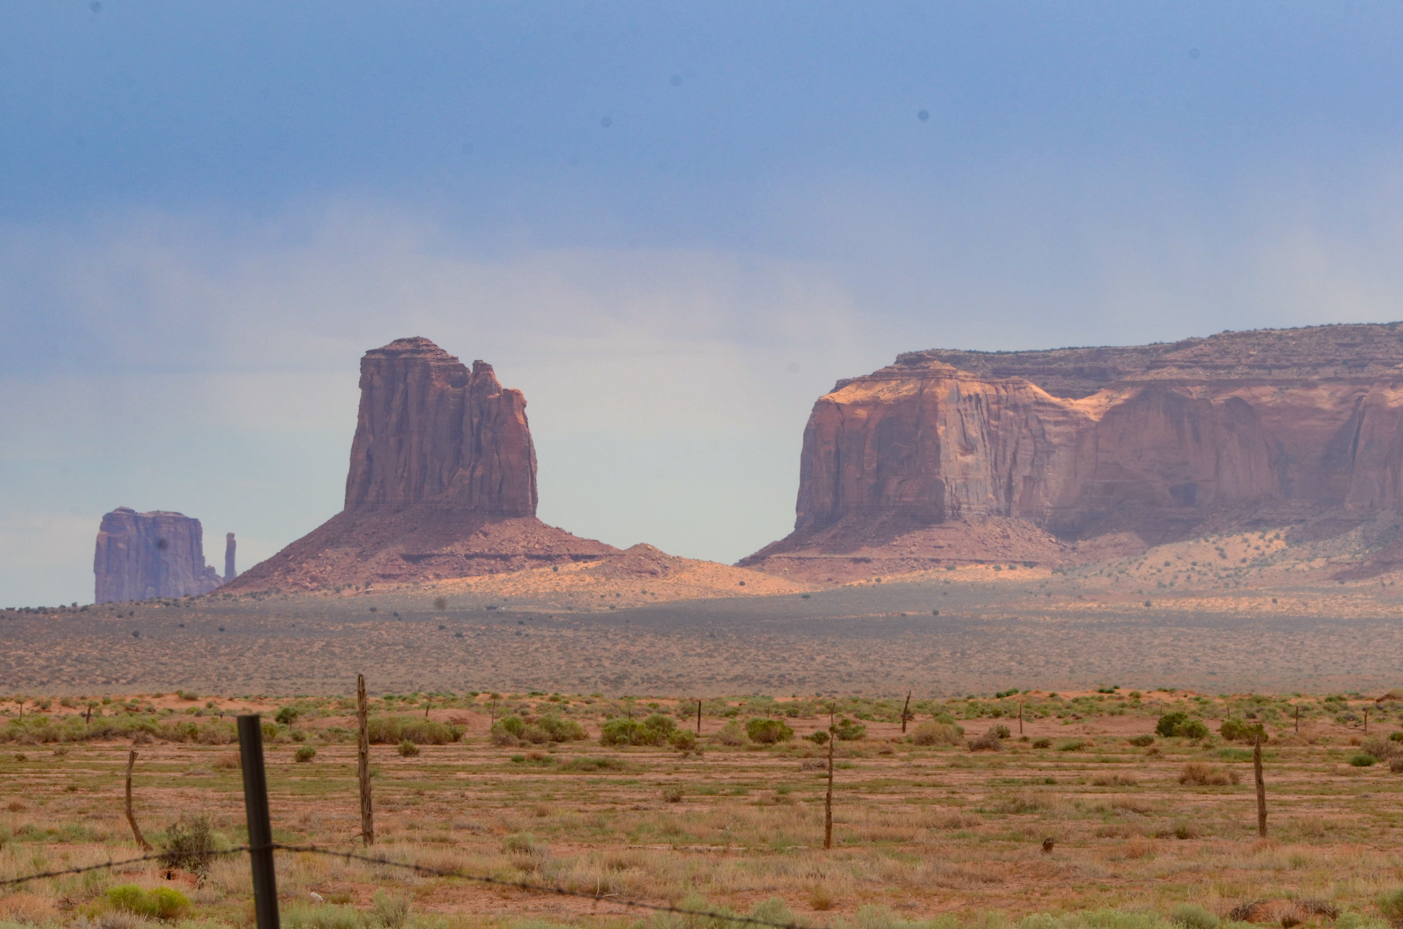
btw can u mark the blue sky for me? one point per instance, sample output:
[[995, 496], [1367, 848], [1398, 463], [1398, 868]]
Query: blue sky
[[673, 226]]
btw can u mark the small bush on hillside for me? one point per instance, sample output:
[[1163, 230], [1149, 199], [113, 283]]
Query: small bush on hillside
[[1142, 741], [1240, 730], [508, 730], [560, 729], [1363, 760], [1042, 743], [407, 749], [1379, 747], [931, 732], [818, 737], [287, 715], [684, 740], [768, 731], [733, 734], [304, 753]]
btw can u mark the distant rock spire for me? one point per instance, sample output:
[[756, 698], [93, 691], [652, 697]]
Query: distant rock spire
[[229, 571]]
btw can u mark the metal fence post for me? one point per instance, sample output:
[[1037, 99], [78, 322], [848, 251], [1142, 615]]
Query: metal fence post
[[260, 826]]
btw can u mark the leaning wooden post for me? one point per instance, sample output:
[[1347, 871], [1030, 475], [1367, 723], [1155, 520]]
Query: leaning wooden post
[[367, 814], [1366, 720], [905, 715], [698, 717], [828, 798], [131, 816], [1261, 787], [1020, 717]]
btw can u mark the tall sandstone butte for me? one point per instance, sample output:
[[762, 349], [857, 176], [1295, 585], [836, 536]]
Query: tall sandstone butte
[[143, 556], [442, 483], [954, 455]]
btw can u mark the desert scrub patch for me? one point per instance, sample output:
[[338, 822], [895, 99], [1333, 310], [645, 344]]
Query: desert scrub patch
[[1193, 916], [392, 730], [653, 730], [1179, 725], [304, 754], [764, 731], [1202, 774], [932, 732], [163, 903]]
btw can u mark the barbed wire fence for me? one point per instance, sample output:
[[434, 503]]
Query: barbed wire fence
[[261, 848]]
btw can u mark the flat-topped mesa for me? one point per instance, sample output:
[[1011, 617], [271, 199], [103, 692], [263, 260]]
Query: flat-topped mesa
[[1158, 441], [430, 431], [144, 556]]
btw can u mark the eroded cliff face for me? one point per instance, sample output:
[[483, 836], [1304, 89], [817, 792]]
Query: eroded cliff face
[[430, 431], [143, 556], [1156, 441], [441, 485]]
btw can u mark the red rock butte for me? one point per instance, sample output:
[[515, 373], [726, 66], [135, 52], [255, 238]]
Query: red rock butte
[[957, 456], [442, 483]]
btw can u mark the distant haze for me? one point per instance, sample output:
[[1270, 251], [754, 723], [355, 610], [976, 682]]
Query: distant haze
[[672, 227]]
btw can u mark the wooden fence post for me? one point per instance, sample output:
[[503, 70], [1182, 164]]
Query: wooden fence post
[[367, 813], [131, 816], [828, 798], [1298, 719], [260, 827], [699, 717], [1261, 787], [1020, 717], [905, 715]]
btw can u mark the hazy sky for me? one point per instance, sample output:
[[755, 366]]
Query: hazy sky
[[672, 225]]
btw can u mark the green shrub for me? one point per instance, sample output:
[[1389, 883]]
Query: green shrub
[[1363, 760], [1392, 906], [189, 846], [1178, 725], [508, 731], [684, 740], [560, 729], [392, 730], [1142, 741], [407, 749], [849, 731], [1042, 743], [1074, 745], [733, 733], [287, 715], [768, 731], [157, 903], [932, 732], [304, 754], [655, 730], [1240, 730]]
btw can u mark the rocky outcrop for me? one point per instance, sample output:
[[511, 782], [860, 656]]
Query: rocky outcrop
[[229, 572], [432, 432], [442, 484], [143, 556], [1274, 427]]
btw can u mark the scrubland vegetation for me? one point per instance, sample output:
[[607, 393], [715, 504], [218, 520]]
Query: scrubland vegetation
[[1102, 810]]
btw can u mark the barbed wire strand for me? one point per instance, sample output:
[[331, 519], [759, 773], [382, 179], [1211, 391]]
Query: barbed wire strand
[[106, 865], [544, 888], [425, 869]]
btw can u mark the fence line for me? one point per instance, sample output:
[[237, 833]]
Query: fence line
[[555, 890]]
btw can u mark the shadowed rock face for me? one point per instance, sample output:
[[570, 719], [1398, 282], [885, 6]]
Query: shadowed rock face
[[432, 432], [1159, 441], [141, 556]]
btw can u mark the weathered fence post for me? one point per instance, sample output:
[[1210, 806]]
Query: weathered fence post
[[1366, 720], [828, 798], [1020, 717], [367, 812], [699, 717], [1261, 787], [905, 715], [131, 816], [260, 826], [1298, 719]]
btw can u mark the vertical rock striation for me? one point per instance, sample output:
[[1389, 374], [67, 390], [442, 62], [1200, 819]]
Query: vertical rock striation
[[141, 556], [430, 431], [1157, 442]]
